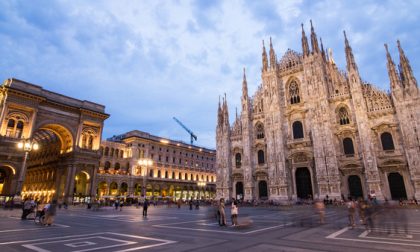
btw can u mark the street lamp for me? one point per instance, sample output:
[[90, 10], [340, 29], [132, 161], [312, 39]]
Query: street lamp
[[27, 146], [146, 162]]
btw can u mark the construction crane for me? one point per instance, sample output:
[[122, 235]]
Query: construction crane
[[193, 137]]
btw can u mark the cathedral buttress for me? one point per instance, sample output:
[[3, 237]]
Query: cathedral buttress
[[371, 171]]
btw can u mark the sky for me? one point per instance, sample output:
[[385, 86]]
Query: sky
[[149, 61]]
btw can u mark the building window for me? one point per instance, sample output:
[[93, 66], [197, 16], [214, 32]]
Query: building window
[[117, 166], [106, 151], [173, 175], [348, 146], [185, 176], [343, 116], [297, 130], [238, 161], [159, 175], [387, 141], [261, 158], [107, 165], [14, 129], [260, 131], [166, 174], [294, 92], [151, 173]]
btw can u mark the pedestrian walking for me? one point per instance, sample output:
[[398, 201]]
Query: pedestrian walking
[[191, 204], [121, 205], [234, 212], [179, 203], [351, 207], [145, 206], [362, 211], [222, 220]]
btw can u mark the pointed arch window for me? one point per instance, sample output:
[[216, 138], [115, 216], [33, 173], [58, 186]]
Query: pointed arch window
[[238, 160], [343, 116], [387, 141], [260, 131], [348, 146], [297, 130], [261, 157], [294, 92]]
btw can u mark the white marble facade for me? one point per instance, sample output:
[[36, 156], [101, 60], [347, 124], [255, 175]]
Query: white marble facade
[[312, 130]]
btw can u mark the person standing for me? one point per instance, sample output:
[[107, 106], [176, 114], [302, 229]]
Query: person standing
[[234, 213], [145, 206], [50, 212], [222, 221], [351, 207], [320, 209]]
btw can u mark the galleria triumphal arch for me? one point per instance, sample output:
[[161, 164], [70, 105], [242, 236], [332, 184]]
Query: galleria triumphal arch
[[68, 132]]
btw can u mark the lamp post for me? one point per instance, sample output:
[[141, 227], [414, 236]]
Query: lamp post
[[27, 146], [200, 185], [146, 162]]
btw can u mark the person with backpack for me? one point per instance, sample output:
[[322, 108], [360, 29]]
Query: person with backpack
[[351, 207]]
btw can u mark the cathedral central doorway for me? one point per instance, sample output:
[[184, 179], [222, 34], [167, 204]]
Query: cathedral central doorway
[[303, 183], [262, 190], [355, 187], [396, 186], [239, 188]]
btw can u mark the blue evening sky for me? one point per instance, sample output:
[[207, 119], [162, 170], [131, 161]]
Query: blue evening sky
[[148, 61]]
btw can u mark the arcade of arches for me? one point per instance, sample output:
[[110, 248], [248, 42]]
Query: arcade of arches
[[110, 188]]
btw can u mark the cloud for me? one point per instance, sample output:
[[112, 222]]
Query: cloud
[[148, 61]]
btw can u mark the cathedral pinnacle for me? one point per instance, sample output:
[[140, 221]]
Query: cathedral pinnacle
[[392, 71], [244, 86], [314, 40], [322, 51], [305, 46], [264, 58], [351, 63], [406, 72], [273, 62]]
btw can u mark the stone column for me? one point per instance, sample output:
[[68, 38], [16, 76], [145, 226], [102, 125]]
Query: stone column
[[93, 183], [71, 172]]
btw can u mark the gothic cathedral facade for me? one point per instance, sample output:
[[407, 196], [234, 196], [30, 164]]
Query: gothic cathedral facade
[[312, 130]]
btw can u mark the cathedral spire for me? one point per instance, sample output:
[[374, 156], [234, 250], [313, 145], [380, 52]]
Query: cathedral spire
[[406, 72], [392, 71], [314, 40], [351, 63], [273, 61], [322, 51], [244, 86], [305, 46], [264, 58], [219, 114], [225, 112]]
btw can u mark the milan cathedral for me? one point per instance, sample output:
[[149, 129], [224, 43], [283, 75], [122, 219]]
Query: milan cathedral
[[312, 130]]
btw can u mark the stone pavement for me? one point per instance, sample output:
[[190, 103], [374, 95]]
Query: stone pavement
[[172, 229]]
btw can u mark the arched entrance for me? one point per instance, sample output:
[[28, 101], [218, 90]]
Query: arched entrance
[[113, 189], [102, 189], [6, 174], [355, 187], [123, 188], [81, 184], [239, 188], [262, 190], [303, 183], [396, 186]]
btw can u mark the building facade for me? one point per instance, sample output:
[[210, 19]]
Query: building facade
[[177, 171], [68, 132], [312, 130]]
